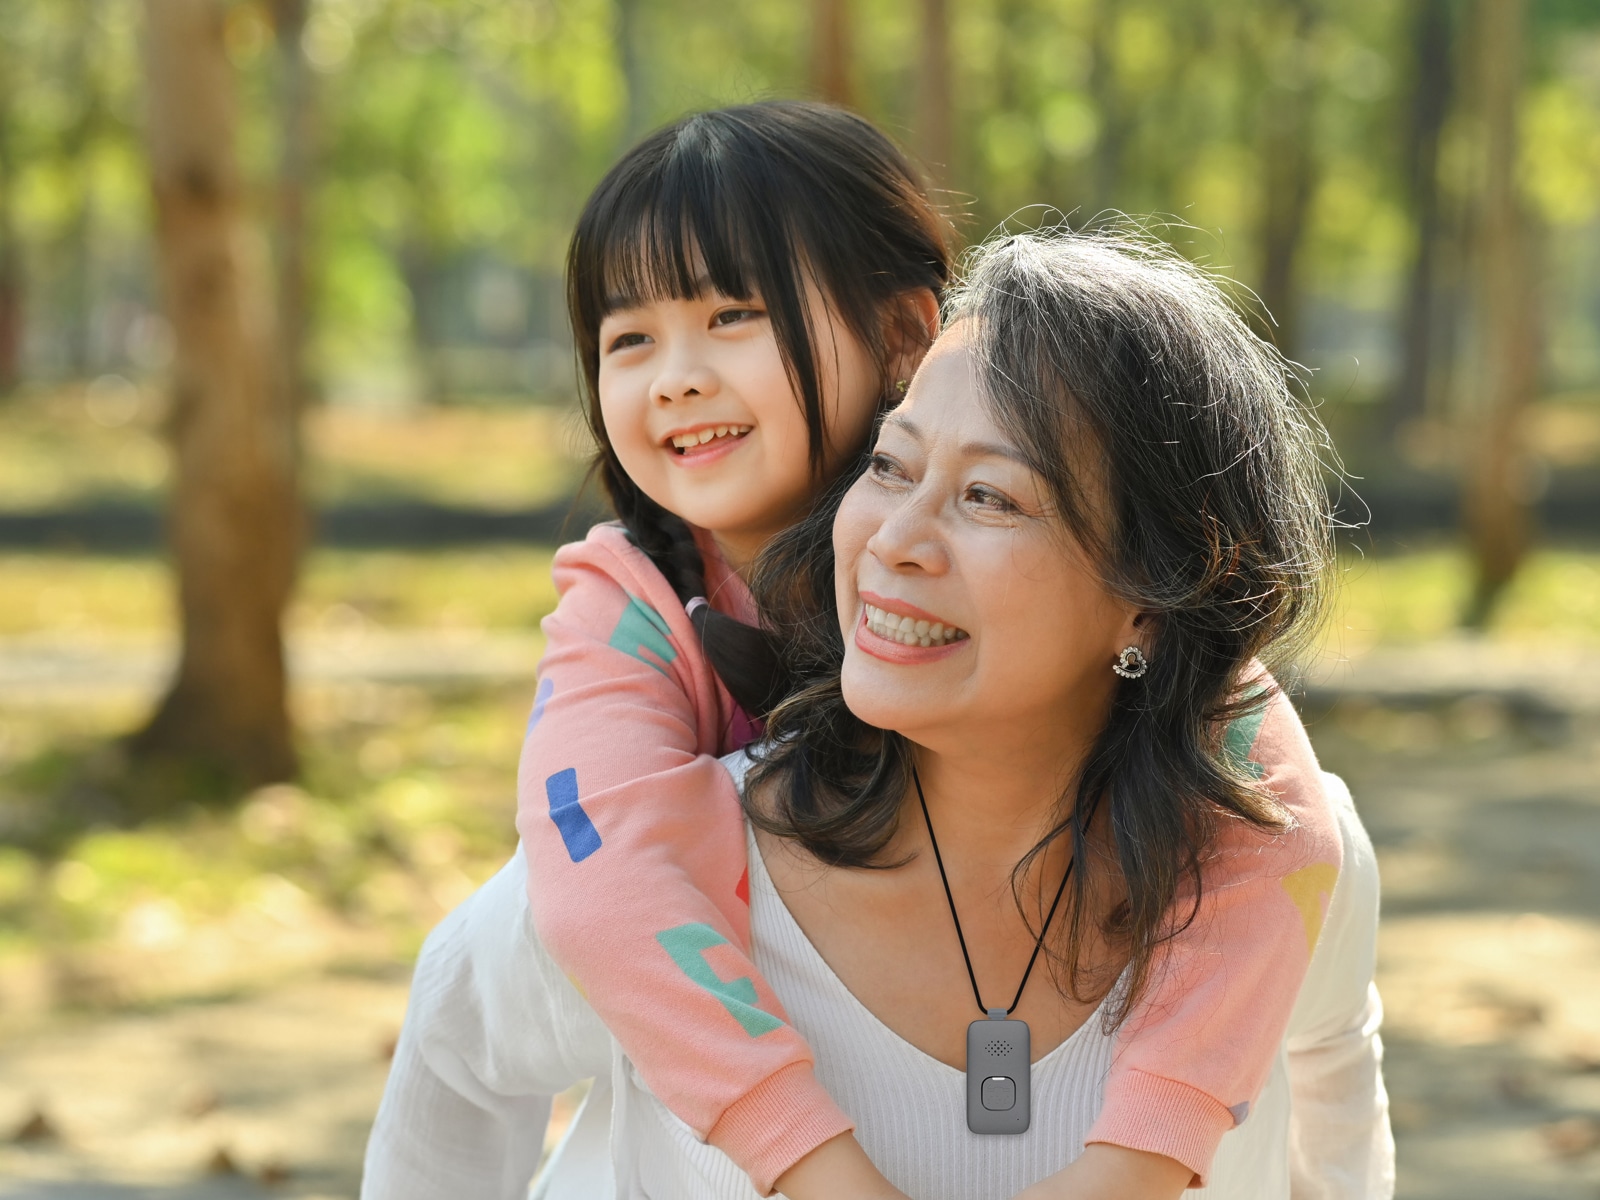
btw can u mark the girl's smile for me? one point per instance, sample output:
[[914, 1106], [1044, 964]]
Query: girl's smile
[[702, 445]]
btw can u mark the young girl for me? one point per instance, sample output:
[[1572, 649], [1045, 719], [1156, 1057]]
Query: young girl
[[749, 288]]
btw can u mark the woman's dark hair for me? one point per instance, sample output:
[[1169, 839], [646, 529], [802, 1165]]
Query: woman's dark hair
[[1180, 457], [749, 201]]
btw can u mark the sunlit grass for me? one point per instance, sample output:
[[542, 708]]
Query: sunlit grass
[[487, 588], [103, 441], [1396, 599]]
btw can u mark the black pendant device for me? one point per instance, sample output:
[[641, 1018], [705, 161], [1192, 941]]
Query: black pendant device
[[999, 1078], [999, 1050]]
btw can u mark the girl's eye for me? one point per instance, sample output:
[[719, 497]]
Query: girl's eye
[[625, 341], [734, 316]]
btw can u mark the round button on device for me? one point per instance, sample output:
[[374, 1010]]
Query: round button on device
[[999, 1093]]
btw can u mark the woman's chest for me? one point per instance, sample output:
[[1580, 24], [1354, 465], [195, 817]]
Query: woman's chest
[[898, 954]]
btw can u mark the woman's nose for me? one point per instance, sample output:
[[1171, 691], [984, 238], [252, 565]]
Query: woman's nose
[[909, 538]]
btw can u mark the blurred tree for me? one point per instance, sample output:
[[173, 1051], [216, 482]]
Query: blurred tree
[[1496, 492], [294, 178], [10, 249], [935, 135], [632, 70], [1430, 54], [80, 67], [235, 520], [1110, 113], [831, 51], [1288, 159]]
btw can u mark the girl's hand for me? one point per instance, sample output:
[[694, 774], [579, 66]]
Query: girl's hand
[[1107, 1172], [839, 1169]]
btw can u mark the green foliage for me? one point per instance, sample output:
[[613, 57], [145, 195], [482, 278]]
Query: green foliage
[[451, 134]]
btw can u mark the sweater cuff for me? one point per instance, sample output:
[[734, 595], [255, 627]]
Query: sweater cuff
[[1162, 1116], [777, 1123]]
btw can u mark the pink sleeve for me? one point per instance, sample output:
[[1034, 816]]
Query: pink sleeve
[[1198, 1047], [637, 864]]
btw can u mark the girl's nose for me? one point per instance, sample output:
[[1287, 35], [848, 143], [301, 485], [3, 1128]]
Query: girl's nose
[[683, 376]]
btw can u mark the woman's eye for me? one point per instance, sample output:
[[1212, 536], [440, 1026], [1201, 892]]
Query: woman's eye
[[733, 316], [626, 340], [882, 467], [988, 498]]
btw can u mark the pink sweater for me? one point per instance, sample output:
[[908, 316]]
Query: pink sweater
[[638, 882]]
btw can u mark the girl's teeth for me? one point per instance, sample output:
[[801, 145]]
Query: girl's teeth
[[687, 441], [910, 632]]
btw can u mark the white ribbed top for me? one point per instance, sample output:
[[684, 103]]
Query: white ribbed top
[[910, 1108]]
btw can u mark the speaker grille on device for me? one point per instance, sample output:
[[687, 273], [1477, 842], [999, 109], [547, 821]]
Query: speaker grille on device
[[998, 1048]]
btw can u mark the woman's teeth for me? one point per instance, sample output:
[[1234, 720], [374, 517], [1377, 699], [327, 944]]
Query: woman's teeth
[[687, 441], [909, 631]]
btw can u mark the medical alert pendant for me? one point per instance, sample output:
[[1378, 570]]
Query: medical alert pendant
[[999, 1086]]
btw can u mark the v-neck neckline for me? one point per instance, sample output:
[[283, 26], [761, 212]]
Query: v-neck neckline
[[761, 885]]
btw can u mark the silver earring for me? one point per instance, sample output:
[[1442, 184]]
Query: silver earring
[[1131, 663]]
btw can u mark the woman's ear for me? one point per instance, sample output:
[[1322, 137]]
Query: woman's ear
[[1139, 629], [912, 328]]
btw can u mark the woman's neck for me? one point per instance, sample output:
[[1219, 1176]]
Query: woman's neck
[[992, 809]]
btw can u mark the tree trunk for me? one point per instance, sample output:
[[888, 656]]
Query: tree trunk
[[10, 252], [831, 51], [632, 69], [935, 141], [1112, 138], [235, 521], [1288, 173], [1496, 493], [77, 238], [294, 183], [1430, 103]]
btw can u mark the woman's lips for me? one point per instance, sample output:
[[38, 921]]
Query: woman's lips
[[899, 652]]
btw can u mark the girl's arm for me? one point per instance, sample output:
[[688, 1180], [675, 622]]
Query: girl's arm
[[1196, 1051], [635, 841], [479, 1057]]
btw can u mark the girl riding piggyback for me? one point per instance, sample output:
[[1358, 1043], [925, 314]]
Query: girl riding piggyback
[[750, 289]]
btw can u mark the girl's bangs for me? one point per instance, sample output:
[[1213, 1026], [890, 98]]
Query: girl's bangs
[[676, 240]]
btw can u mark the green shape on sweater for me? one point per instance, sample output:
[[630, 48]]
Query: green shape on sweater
[[687, 945], [642, 628], [1241, 738]]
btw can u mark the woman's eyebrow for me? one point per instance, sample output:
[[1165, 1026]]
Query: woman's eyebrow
[[967, 449]]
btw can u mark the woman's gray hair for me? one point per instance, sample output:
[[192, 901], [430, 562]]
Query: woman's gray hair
[[1114, 362]]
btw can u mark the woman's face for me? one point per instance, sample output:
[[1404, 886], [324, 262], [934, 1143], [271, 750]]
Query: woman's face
[[971, 617]]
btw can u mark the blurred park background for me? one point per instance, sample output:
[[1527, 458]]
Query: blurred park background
[[287, 436]]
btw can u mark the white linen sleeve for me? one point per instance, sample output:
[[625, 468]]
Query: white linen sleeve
[[493, 1030], [1340, 1144]]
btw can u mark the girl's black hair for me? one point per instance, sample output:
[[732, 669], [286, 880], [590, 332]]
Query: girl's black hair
[[750, 201], [1180, 457]]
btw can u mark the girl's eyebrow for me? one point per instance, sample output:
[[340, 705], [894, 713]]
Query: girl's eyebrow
[[968, 449]]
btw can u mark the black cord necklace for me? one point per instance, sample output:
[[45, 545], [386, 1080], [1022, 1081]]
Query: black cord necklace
[[999, 1050]]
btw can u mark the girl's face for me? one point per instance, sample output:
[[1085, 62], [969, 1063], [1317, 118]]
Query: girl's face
[[971, 617], [704, 418]]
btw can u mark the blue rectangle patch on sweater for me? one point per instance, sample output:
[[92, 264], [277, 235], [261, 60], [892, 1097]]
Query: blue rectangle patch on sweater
[[577, 831]]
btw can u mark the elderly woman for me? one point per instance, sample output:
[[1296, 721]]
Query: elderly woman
[[1023, 762]]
